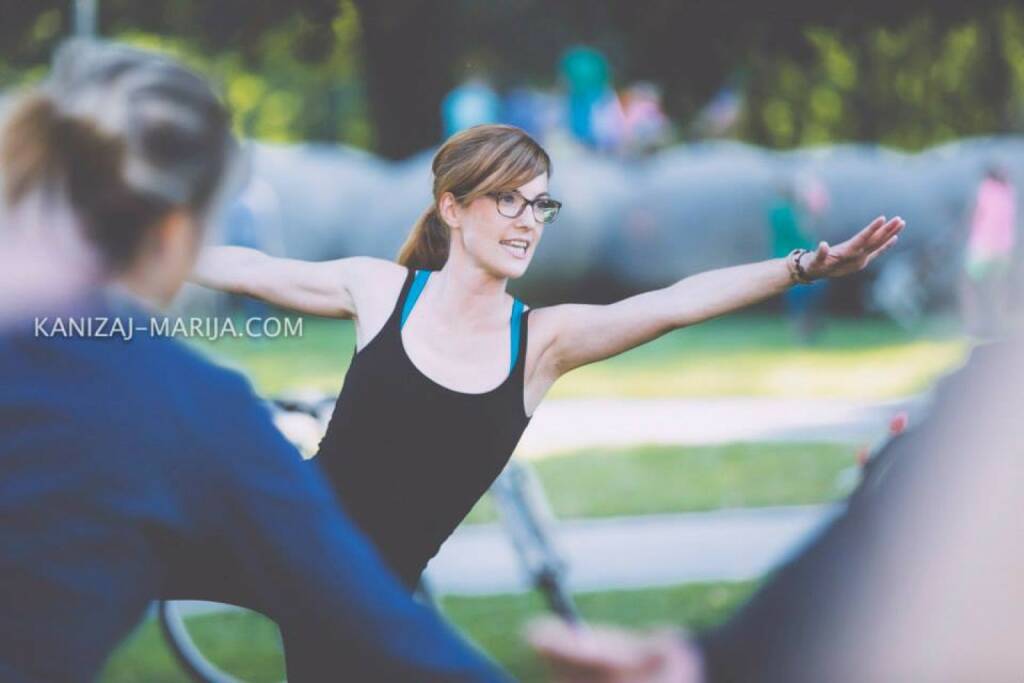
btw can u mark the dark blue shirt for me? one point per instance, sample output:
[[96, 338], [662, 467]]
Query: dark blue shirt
[[126, 466]]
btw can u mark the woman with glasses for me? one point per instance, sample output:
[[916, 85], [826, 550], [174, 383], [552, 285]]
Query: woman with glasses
[[448, 367]]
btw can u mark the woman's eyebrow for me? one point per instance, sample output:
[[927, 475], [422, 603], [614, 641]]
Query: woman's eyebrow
[[538, 196]]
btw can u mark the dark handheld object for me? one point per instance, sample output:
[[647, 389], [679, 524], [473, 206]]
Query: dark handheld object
[[527, 518]]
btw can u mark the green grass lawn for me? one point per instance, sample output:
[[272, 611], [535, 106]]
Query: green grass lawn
[[748, 355], [246, 644], [603, 482]]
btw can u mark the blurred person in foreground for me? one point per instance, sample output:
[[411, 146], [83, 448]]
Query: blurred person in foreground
[[121, 475], [919, 579], [988, 258]]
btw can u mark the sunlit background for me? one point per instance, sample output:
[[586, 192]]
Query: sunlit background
[[684, 136]]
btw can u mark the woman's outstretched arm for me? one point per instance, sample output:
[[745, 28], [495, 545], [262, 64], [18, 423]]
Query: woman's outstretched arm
[[582, 334], [314, 287]]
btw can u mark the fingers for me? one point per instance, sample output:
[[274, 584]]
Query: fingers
[[873, 226], [556, 639], [574, 652], [820, 256], [602, 654], [862, 238], [884, 233], [548, 634], [867, 232], [881, 250]]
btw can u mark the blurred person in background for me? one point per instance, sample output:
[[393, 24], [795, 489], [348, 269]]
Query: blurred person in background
[[646, 127], [524, 107], [917, 580], [718, 118], [131, 468], [472, 103], [587, 77], [988, 258], [803, 305], [609, 123]]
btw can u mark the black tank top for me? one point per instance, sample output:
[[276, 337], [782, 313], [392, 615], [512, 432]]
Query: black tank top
[[409, 457]]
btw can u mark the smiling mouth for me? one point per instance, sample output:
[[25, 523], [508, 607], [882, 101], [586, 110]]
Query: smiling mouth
[[517, 248]]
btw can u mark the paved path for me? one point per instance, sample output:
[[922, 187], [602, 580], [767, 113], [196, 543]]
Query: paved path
[[625, 552], [630, 552], [566, 424], [559, 425]]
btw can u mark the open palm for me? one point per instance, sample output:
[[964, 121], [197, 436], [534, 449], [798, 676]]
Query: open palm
[[854, 254]]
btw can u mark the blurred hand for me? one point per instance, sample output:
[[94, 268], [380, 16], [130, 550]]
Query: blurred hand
[[611, 655], [854, 254]]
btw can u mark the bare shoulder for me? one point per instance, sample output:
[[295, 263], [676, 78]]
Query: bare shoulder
[[374, 285], [370, 272], [368, 279]]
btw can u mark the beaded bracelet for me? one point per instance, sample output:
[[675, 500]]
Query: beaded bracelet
[[796, 271]]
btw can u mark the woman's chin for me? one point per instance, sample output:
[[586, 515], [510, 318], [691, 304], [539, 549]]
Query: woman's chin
[[516, 270], [510, 268]]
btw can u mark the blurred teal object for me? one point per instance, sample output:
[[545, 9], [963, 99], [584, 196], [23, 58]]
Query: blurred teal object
[[587, 75], [787, 234]]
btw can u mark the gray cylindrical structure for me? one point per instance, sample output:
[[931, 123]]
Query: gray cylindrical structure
[[85, 18]]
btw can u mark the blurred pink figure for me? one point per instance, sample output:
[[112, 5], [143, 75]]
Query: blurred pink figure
[[814, 194], [646, 126], [989, 253], [992, 226]]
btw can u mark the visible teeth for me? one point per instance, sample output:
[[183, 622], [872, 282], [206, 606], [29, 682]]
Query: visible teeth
[[519, 246]]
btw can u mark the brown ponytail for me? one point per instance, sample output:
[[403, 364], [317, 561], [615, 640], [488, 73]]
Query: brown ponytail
[[116, 139], [28, 147], [470, 164], [426, 248]]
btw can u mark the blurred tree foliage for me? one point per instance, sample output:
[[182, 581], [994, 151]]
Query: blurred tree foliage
[[290, 70], [372, 72]]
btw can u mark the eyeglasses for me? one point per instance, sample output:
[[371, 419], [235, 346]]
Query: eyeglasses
[[512, 204]]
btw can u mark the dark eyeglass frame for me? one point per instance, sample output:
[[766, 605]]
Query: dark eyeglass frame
[[526, 203]]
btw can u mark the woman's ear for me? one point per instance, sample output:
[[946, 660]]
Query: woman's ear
[[448, 210]]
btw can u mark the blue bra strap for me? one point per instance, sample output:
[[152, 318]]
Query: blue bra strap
[[414, 293], [417, 287], [517, 315]]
